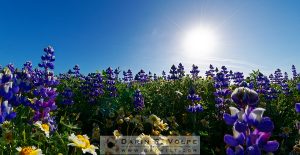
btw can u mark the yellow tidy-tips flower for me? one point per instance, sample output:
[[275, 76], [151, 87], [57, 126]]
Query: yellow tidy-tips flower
[[82, 142], [44, 127], [29, 150], [117, 134]]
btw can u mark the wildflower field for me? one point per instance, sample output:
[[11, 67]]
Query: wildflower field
[[43, 112]]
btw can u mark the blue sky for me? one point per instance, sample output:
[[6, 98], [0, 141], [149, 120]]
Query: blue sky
[[147, 35]]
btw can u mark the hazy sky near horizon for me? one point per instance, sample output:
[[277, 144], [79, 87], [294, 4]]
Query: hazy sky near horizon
[[148, 34]]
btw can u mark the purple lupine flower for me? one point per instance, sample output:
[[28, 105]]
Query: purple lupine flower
[[45, 91], [295, 75], [150, 76], [11, 67], [6, 112], [180, 71], [262, 83], [243, 96], [285, 88], [221, 84], [298, 86], [271, 77], [9, 92], [155, 78], [278, 78], [297, 107], [164, 75], [97, 85], [173, 73], [286, 76], [264, 87], [195, 71], [250, 128], [110, 82], [76, 70], [129, 75], [192, 96], [210, 72], [231, 75], [125, 77], [195, 108], [238, 77], [67, 95], [142, 77], [117, 72], [138, 100]]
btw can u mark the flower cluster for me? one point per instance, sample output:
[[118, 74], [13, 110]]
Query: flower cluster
[[192, 96], [138, 100], [173, 73], [294, 71], [221, 85], [110, 82], [238, 78], [142, 77], [297, 107], [180, 71], [210, 72], [93, 86], [45, 91], [250, 128], [195, 71]]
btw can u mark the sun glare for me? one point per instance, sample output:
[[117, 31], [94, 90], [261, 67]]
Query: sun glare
[[199, 41]]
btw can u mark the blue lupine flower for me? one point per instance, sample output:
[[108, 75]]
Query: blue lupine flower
[[125, 77], [150, 76], [244, 96], [44, 92], [295, 75], [155, 77], [271, 77], [67, 96], [180, 71], [210, 72], [297, 107], [238, 77], [278, 78], [285, 87], [110, 82], [6, 112], [76, 70], [138, 100], [221, 84], [286, 77], [173, 72], [250, 128], [195, 108], [129, 75], [298, 86], [195, 71], [164, 75], [117, 72], [192, 96], [142, 77]]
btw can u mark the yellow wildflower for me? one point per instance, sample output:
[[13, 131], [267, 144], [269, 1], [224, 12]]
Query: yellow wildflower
[[29, 150], [82, 141], [44, 127]]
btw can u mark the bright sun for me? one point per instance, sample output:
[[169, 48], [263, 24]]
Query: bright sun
[[199, 41]]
